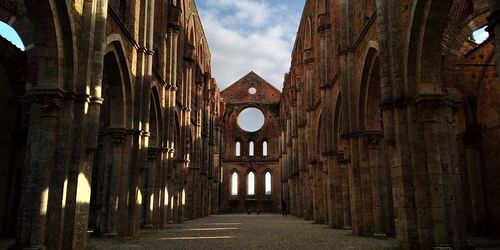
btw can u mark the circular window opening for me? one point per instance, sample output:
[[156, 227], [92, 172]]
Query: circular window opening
[[252, 91], [251, 119]]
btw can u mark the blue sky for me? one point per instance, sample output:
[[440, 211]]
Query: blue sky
[[480, 35], [10, 34], [250, 35]]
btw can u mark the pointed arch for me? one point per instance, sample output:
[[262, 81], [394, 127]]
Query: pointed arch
[[155, 118], [191, 31], [268, 180], [201, 53], [370, 93], [251, 184], [47, 31], [238, 148], [265, 148], [423, 55], [177, 136], [119, 79], [308, 34], [251, 148], [234, 183], [337, 123]]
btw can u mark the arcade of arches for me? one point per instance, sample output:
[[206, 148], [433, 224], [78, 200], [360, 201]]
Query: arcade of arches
[[388, 123]]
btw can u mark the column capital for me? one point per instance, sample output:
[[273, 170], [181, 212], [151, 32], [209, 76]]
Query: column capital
[[153, 153], [373, 140], [50, 100], [117, 135], [324, 25], [173, 27]]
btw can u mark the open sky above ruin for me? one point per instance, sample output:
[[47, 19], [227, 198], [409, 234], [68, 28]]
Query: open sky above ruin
[[250, 35]]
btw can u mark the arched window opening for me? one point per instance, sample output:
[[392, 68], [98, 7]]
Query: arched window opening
[[308, 34], [264, 148], [480, 35], [251, 149], [268, 183], [238, 148], [251, 185], [7, 32], [234, 184], [251, 119]]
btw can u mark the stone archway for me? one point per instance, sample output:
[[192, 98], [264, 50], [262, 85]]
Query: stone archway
[[152, 174], [13, 136], [374, 155], [109, 198]]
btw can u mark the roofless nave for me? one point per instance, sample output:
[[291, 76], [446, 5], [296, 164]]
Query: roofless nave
[[387, 124]]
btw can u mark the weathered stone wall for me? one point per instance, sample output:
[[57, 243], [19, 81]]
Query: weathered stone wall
[[124, 124], [367, 120], [237, 98]]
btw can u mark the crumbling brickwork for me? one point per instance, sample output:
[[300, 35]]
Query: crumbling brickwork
[[237, 98]]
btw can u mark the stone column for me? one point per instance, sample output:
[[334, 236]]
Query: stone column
[[360, 187], [85, 124], [39, 164], [170, 175], [317, 193], [307, 182], [158, 188], [167, 187], [117, 137], [198, 184], [150, 196], [298, 211], [472, 171], [162, 214], [335, 193], [326, 212], [378, 182], [346, 195]]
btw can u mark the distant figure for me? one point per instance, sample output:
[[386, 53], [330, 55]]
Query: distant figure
[[283, 207]]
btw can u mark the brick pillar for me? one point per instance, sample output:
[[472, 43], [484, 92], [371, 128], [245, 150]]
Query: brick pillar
[[380, 185], [36, 176], [317, 193], [335, 196], [149, 196], [324, 176], [360, 188]]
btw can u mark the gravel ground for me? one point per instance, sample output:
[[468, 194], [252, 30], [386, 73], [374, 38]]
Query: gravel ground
[[244, 232]]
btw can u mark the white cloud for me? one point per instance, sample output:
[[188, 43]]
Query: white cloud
[[246, 35]]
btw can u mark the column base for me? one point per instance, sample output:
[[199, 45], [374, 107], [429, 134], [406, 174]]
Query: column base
[[148, 226], [111, 235], [443, 247], [379, 235], [348, 227]]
